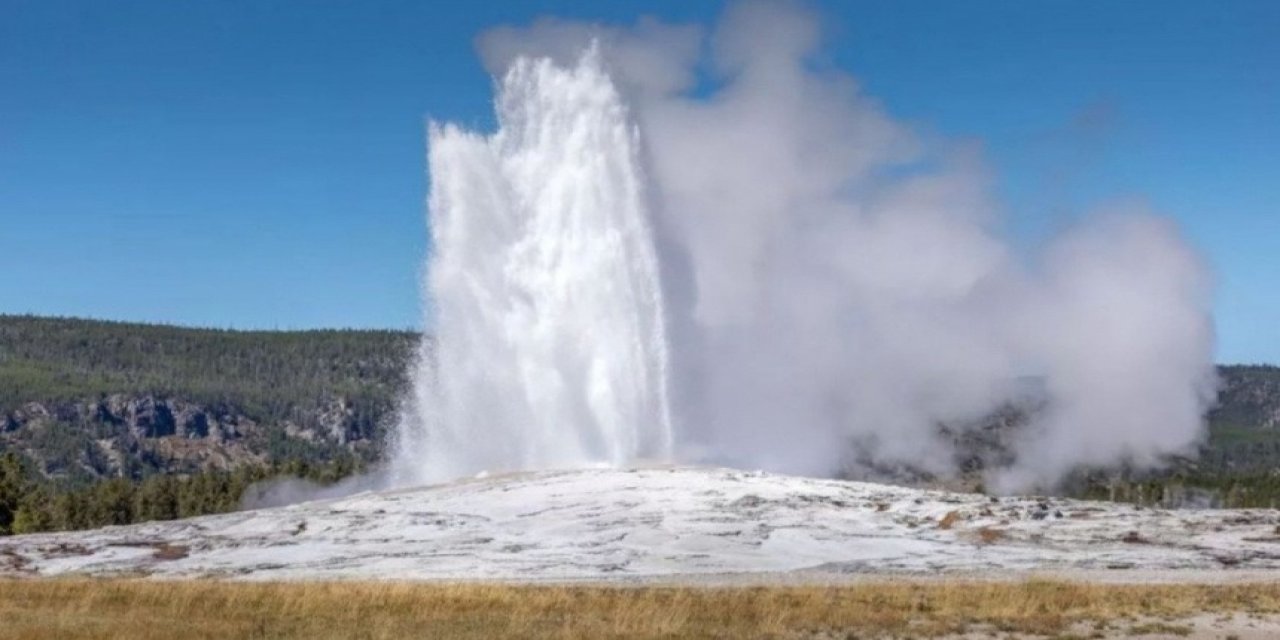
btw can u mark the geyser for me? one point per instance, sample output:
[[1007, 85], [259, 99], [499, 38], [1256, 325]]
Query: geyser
[[550, 348], [762, 268]]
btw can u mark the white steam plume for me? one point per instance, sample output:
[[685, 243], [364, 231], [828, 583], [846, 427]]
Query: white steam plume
[[551, 345], [831, 278]]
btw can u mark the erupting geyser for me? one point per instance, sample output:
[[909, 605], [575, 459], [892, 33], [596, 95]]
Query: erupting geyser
[[550, 349], [717, 249]]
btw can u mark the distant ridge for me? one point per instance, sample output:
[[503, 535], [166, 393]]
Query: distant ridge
[[86, 400], [5, 317]]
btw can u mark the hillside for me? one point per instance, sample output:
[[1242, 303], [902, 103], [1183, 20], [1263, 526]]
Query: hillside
[[87, 399], [83, 399], [1245, 427]]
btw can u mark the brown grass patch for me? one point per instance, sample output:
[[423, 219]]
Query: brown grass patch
[[949, 520], [144, 609], [166, 551], [990, 535]]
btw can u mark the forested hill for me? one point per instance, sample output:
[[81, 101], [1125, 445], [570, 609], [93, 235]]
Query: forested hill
[[108, 423], [84, 399], [1245, 426]]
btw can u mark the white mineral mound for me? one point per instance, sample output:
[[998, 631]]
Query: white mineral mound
[[664, 524]]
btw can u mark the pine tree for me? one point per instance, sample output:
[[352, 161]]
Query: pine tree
[[33, 514], [12, 487]]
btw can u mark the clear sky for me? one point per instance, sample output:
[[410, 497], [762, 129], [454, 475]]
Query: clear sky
[[261, 163]]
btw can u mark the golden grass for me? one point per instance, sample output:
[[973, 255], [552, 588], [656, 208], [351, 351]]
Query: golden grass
[[145, 609]]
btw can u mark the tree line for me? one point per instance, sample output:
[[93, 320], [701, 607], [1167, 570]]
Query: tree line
[[270, 376], [30, 505]]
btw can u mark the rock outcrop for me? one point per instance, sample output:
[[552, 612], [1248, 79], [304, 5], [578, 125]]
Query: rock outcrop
[[104, 436]]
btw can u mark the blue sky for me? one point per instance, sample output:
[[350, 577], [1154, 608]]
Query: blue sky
[[261, 164]]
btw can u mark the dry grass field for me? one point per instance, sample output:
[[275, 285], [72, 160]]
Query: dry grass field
[[207, 609]]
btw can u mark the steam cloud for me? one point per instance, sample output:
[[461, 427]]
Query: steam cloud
[[832, 279]]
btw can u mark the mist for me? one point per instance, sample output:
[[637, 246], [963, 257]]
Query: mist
[[834, 284]]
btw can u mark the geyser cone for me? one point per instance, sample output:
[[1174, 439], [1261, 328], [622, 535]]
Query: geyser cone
[[550, 348]]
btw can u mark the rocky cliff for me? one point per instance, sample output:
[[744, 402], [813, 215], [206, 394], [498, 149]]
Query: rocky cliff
[[84, 400], [123, 435]]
